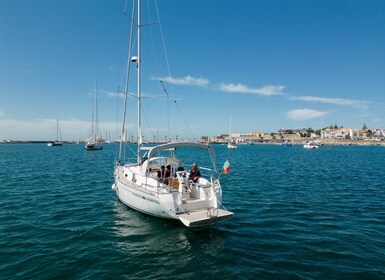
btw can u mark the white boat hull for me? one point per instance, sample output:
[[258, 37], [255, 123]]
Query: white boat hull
[[142, 201], [93, 146], [231, 146], [306, 146], [52, 144], [196, 207], [165, 206]]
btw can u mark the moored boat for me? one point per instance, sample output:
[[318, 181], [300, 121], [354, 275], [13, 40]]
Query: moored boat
[[57, 142], [231, 144], [95, 142], [311, 145], [177, 196]]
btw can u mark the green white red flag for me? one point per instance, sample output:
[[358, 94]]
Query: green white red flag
[[226, 167]]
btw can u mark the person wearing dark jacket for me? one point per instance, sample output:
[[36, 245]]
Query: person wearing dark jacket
[[163, 174], [195, 174]]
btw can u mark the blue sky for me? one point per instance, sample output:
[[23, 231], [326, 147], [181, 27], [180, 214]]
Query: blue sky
[[271, 64]]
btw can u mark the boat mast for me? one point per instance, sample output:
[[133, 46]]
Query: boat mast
[[57, 129], [139, 86], [96, 110], [123, 132], [93, 115]]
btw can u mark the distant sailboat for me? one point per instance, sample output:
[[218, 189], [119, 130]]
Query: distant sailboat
[[144, 185], [311, 145], [57, 142], [95, 142], [231, 144], [109, 139]]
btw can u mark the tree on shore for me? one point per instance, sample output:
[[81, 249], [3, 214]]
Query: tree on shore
[[309, 131]]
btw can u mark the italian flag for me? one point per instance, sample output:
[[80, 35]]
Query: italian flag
[[226, 167]]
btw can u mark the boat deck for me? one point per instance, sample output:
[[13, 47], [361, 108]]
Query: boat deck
[[204, 217]]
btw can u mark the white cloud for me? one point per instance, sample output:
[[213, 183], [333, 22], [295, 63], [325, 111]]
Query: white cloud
[[338, 101], [188, 80], [240, 88], [305, 114], [268, 90], [115, 94]]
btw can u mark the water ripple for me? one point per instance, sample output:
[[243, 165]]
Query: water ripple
[[298, 214]]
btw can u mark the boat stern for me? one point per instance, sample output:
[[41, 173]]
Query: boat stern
[[204, 217]]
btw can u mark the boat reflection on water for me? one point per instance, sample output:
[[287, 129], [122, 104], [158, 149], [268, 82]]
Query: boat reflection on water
[[140, 235], [130, 223]]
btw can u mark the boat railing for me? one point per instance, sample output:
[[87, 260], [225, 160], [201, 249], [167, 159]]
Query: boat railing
[[205, 168]]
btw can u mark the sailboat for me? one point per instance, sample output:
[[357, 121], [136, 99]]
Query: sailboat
[[231, 144], [311, 145], [138, 185], [95, 142], [57, 142]]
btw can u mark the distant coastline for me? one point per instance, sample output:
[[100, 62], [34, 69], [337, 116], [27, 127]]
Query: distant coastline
[[328, 142]]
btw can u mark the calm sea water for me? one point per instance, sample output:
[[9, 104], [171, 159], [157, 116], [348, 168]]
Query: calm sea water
[[299, 214]]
